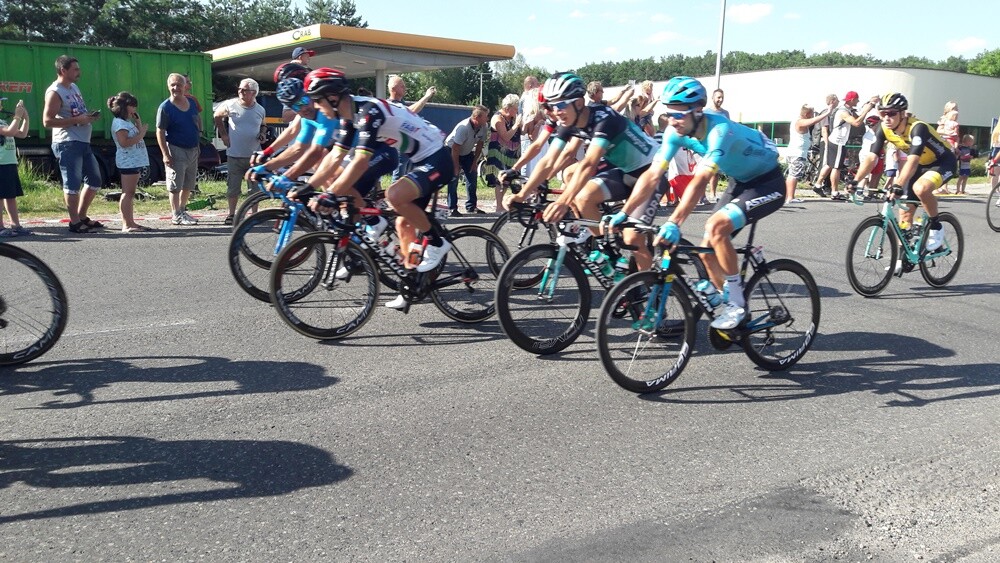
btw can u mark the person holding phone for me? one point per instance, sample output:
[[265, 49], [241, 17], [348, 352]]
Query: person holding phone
[[10, 183], [129, 133], [66, 114]]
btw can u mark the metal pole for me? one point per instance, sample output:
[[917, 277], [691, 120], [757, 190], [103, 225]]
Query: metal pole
[[481, 87], [718, 55]]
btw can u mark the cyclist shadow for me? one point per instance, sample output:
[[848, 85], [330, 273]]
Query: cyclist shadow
[[193, 471], [436, 332], [78, 382], [884, 364], [921, 292]]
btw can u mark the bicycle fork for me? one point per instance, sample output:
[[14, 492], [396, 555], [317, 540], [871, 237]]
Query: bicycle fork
[[546, 290]]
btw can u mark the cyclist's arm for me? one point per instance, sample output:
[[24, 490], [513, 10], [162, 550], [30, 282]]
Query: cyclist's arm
[[644, 188], [693, 193], [533, 149], [328, 168], [585, 172], [545, 169], [353, 172]]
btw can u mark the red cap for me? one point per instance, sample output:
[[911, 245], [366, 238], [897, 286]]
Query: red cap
[[852, 95]]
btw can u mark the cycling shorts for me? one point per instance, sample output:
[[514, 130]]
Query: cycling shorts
[[431, 173], [383, 162], [754, 199], [616, 184], [937, 173]]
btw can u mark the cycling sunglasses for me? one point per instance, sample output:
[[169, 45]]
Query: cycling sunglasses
[[889, 113], [678, 114], [562, 105], [303, 102]]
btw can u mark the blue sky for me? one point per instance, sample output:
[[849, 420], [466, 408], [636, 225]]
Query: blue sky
[[562, 34]]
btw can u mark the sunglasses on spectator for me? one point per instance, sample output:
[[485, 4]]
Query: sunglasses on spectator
[[889, 113], [242, 90], [678, 114]]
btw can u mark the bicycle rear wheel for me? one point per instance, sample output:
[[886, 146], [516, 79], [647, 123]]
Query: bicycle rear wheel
[[871, 256], [937, 272], [33, 306], [535, 318], [252, 248], [783, 315], [308, 295], [639, 357], [516, 235], [475, 261], [256, 201], [993, 209]]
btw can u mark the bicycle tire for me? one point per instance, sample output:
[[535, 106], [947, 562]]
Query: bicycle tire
[[937, 272], [515, 235], [871, 256], [476, 249], [251, 249], [256, 201], [33, 306], [645, 361], [783, 312], [537, 325], [327, 308], [993, 209]]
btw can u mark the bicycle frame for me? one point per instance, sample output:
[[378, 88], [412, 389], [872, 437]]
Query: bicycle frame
[[913, 250]]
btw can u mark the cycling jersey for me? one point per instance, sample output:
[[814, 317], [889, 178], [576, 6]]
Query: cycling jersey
[[918, 139], [734, 149], [397, 126], [319, 130], [626, 146]]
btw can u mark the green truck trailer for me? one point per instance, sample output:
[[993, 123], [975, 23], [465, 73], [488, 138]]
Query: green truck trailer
[[27, 69]]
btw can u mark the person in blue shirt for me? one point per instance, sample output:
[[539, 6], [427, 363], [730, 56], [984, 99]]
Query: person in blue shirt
[[756, 185]]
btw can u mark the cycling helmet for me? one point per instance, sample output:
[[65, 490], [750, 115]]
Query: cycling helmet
[[290, 91], [563, 86], [684, 90], [326, 82], [872, 120], [893, 100], [290, 70]]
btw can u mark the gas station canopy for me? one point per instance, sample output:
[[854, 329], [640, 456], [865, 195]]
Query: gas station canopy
[[357, 52]]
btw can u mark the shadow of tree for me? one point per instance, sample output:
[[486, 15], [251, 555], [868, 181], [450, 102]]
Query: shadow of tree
[[233, 468], [80, 380]]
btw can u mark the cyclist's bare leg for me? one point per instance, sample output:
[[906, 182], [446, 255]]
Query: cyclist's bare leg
[[587, 203], [718, 235], [643, 259], [924, 190], [411, 216]]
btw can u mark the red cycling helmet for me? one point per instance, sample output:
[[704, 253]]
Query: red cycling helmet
[[290, 70], [326, 82]]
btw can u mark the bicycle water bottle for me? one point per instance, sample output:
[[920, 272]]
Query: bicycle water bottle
[[711, 293], [601, 259], [621, 268], [416, 253]]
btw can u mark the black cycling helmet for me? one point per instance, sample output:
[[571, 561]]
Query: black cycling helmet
[[893, 100], [290, 91], [563, 86], [326, 82], [290, 70]]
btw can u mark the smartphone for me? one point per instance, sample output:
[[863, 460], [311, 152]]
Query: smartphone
[[95, 113]]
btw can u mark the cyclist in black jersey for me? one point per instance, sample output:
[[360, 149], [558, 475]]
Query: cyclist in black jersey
[[929, 164]]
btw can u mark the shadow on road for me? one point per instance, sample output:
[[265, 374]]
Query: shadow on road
[[883, 364], [79, 380], [136, 471]]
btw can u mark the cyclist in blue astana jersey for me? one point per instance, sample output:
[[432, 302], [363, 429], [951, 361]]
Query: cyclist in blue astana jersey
[[745, 155], [619, 152]]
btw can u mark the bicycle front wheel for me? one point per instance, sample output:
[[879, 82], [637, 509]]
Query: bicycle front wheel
[[938, 271], [328, 295], [515, 235], [993, 209], [640, 354], [255, 202], [472, 266], [33, 306], [540, 309], [254, 245], [783, 315], [871, 257]]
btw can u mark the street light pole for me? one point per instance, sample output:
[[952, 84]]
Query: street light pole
[[718, 55], [481, 75]]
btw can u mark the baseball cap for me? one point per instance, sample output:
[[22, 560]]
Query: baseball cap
[[300, 50], [852, 95]]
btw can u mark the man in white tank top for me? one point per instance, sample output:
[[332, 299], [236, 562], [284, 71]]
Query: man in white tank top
[[844, 118]]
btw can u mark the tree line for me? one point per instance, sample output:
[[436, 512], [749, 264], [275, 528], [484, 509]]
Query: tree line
[[202, 25]]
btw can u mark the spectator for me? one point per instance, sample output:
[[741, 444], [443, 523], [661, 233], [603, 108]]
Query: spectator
[[870, 182], [947, 124], [10, 182], [301, 55], [240, 123], [66, 114], [595, 93], [533, 122], [188, 85], [844, 118], [466, 143], [129, 133], [397, 93], [527, 111], [718, 96], [966, 152], [797, 153], [178, 131], [504, 146], [991, 163]]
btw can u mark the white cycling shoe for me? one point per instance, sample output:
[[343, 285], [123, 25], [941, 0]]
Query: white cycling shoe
[[376, 230], [433, 256], [580, 238], [730, 318], [935, 238], [398, 303]]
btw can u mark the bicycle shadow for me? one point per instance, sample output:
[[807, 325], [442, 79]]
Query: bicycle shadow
[[922, 291], [885, 364], [430, 333], [199, 470], [84, 378]]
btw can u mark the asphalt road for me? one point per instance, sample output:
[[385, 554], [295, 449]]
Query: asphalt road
[[178, 419]]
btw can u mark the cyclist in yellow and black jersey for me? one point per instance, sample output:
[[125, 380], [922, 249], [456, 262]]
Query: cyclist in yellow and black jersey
[[929, 164]]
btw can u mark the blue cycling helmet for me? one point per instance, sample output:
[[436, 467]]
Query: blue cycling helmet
[[290, 91], [684, 90]]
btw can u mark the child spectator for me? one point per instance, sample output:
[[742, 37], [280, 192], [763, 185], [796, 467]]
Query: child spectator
[[10, 182], [966, 152], [129, 133]]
